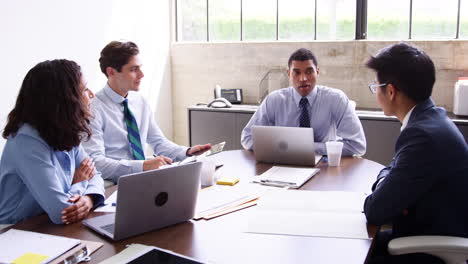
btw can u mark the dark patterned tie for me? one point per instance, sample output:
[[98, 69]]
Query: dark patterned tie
[[304, 119], [133, 133]]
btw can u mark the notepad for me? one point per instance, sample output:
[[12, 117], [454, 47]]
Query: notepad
[[284, 176]]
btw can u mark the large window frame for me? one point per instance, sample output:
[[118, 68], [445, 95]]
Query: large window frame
[[361, 20]]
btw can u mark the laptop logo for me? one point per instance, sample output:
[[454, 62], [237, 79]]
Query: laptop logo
[[283, 145], [161, 199]]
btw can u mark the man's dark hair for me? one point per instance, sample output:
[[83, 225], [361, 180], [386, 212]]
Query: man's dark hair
[[116, 54], [51, 101], [407, 68], [302, 55]]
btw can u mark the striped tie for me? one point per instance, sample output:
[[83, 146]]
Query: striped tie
[[304, 119], [133, 133]]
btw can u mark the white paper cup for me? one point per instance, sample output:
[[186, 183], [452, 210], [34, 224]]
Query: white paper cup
[[207, 176], [334, 149]]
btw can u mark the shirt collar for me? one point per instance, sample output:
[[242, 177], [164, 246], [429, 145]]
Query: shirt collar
[[115, 97], [406, 119], [310, 97]]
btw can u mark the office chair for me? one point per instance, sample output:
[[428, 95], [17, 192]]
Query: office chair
[[452, 250]]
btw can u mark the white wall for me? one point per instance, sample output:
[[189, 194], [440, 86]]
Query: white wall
[[32, 31]]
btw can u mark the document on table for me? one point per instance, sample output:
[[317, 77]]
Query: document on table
[[284, 176], [109, 204], [310, 213], [18, 246], [214, 200]]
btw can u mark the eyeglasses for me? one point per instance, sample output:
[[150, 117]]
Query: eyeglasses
[[373, 86]]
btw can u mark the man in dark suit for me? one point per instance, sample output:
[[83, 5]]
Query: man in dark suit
[[423, 189]]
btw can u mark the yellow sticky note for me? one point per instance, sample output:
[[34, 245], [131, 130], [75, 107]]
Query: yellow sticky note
[[227, 181], [30, 258]]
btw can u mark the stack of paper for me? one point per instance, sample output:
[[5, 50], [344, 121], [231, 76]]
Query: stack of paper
[[310, 213], [220, 200]]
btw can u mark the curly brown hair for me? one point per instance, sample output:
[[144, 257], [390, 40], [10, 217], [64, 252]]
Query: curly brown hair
[[51, 101]]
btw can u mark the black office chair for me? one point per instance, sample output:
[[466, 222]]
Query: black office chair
[[452, 250]]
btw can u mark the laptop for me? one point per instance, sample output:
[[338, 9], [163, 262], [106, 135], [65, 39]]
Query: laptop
[[284, 145], [151, 200]]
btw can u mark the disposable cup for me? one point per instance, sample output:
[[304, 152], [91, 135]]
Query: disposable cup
[[207, 174], [334, 149]]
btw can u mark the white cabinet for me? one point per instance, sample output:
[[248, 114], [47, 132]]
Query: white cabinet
[[210, 125]]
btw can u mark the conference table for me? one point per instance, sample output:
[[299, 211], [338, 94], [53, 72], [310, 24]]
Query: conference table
[[224, 240]]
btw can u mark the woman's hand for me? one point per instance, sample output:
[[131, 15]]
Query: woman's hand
[[79, 210], [84, 172]]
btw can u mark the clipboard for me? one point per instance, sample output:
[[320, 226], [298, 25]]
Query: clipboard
[[286, 176], [79, 253]]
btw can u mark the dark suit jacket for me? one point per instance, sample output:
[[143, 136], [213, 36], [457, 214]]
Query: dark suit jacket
[[428, 177]]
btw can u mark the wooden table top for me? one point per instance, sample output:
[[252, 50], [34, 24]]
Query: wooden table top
[[223, 240]]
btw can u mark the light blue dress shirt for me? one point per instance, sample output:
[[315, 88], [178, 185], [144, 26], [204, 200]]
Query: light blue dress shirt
[[332, 117], [35, 179], [109, 146]]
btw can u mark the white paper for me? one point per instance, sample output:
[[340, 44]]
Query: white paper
[[15, 243], [310, 213], [216, 198], [108, 206]]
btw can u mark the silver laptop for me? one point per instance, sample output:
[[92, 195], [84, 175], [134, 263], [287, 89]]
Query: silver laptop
[[151, 200], [284, 145]]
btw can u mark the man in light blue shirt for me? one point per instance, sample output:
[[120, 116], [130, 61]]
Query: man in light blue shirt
[[328, 111], [111, 145]]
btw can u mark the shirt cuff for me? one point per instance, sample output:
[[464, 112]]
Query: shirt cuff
[[78, 188], [135, 165], [320, 148]]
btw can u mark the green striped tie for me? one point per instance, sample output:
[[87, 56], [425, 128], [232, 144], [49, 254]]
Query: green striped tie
[[133, 133]]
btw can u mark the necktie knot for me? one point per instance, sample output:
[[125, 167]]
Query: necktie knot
[[303, 102], [125, 103]]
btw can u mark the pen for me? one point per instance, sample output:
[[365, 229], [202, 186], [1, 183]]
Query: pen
[[278, 182]]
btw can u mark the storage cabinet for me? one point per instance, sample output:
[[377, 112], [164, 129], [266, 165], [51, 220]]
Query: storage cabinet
[[209, 125]]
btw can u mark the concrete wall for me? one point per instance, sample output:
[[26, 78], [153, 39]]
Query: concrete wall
[[33, 31], [197, 67]]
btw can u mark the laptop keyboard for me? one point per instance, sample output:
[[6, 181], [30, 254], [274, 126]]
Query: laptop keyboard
[[109, 228]]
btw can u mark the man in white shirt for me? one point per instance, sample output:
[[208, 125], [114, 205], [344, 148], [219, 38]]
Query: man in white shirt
[[123, 120], [305, 104]]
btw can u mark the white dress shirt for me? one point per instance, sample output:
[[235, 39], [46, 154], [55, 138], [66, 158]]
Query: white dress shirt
[[109, 145], [332, 117]]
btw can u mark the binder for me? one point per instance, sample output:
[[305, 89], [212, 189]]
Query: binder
[[31, 247]]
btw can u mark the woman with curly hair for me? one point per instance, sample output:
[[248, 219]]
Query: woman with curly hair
[[43, 166]]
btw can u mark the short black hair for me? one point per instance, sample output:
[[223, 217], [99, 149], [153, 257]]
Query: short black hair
[[116, 54], [302, 55], [407, 68]]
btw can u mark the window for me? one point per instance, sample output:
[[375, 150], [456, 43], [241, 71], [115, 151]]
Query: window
[[296, 19], [394, 24], [267, 20], [434, 19], [259, 20], [224, 20], [464, 19], [336, 19], [191, 20]]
